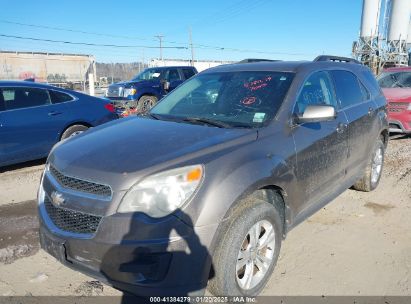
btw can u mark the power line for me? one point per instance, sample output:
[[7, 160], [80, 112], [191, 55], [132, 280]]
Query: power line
[[93, 44], [240, 8], [206, 19], [236, 11], [85, 32], [102, 53], [74, 31], [158, 47]]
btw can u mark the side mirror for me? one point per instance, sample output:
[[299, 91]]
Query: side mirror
[[166, 85], [316, 113]]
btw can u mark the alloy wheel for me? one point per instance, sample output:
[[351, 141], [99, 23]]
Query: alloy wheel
[[376, 165], [256, 255]]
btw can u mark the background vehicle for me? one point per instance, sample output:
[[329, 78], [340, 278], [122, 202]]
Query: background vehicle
[[33, 117], [396, 86], [144, 90], [221, 170]]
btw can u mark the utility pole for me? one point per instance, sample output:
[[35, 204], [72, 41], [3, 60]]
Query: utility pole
[[112, 72], [191, 46], [144, 61], [160, 38]]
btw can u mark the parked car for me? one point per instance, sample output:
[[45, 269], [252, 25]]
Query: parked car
[[396, 86], [144, 90], [33, 117], [206, 186]]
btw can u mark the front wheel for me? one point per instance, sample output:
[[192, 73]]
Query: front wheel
[[247, 252], [145, 103], [372, 174], [73, 131]]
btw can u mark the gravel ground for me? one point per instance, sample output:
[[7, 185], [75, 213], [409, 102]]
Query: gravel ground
[[359, 244]]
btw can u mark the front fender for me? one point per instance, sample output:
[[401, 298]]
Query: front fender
[[153, 91], [226, 189], [229, 188]]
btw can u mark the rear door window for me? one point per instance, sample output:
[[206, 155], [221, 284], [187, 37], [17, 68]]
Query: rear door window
[[188, 73], [59, 97], [365, 93], [316, 90], [19, 97], [172, 75], [372, 83], [2, 105], [348, 88]]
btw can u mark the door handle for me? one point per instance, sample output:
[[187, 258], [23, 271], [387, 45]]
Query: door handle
[[54, 113], [341, 127]]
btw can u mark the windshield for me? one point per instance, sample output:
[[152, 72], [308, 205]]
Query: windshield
[[148, 74], [395, 80], [235, 99]]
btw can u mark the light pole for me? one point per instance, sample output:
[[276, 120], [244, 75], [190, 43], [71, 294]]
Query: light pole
[[191, 46], [160, 38]]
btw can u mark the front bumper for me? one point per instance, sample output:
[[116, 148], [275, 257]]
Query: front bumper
[[400, 124], [132, 252], [399, 119], [123, 100]]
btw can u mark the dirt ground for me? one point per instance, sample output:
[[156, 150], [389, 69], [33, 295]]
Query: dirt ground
[[360, 244]]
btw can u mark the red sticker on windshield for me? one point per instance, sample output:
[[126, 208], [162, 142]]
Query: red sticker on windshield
[[257, 84], [248, 100]]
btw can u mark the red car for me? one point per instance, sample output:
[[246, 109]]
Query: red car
[[396, 86]]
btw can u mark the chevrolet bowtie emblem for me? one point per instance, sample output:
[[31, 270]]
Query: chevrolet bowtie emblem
[[57, 199]]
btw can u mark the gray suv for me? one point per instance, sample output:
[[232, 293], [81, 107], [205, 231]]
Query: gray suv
[[200, 192]]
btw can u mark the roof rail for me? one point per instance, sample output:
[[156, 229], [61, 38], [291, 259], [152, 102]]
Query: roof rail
[[249, 60], [336, 59]]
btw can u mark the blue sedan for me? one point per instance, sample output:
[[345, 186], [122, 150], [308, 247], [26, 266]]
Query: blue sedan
[[34, 117]]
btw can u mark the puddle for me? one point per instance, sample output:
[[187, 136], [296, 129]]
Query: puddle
[[378, 209], [19, 226]]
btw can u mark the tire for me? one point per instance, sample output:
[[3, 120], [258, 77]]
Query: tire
[[234, 247], [145, 103], [373, 171], [73, 131]]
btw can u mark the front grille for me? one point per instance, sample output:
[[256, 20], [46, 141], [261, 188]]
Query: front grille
[[397, 110], [79, 184], [115, 91], [70, 220], [397, 107], [398, 104]]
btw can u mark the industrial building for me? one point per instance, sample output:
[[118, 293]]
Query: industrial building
[[385, 34], [200, 65], [69, 70]]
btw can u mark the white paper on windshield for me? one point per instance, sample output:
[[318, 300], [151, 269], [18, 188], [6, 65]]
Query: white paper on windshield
[[258, 117]]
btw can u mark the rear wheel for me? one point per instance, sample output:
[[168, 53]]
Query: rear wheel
[[145, 103], [373, 171], [248, 251], [73, 131]]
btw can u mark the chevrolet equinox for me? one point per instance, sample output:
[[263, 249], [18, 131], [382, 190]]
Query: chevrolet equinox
[[200, 191]]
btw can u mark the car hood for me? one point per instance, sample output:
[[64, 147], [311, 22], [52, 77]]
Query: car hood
[[121, 152], [397, 94], [128, 84]]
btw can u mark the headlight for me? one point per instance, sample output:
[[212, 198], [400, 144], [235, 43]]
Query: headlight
[[161, 194], [129, 92]]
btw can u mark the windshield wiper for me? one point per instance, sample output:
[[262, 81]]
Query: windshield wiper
[[398, 84], [153, 116], [206, 121]]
